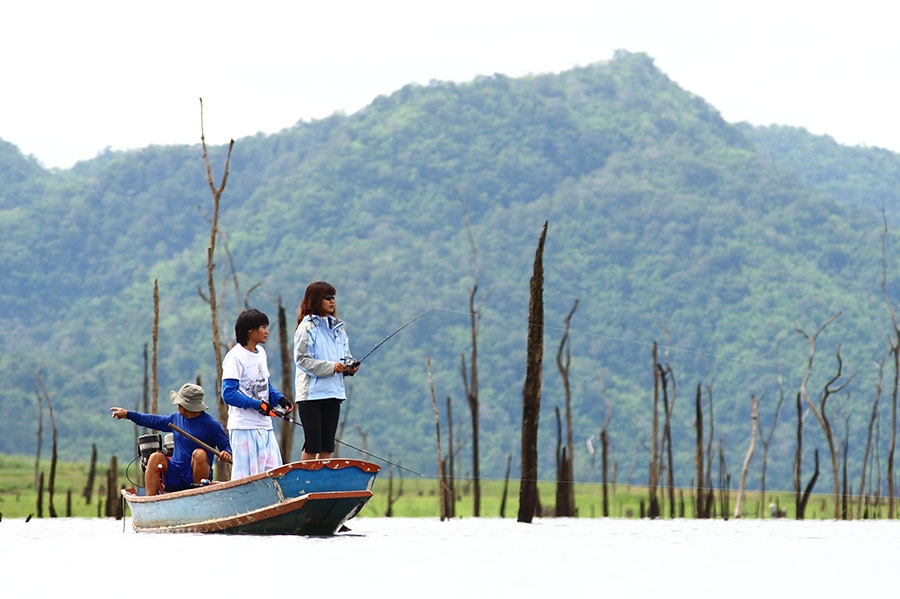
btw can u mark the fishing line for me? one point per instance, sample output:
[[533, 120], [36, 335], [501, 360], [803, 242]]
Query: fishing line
[[815, 372], [662, 489]]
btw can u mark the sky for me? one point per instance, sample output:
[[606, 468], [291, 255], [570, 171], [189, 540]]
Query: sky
[[79, 77]]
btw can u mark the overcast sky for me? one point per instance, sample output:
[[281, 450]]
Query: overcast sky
[[78, 77]]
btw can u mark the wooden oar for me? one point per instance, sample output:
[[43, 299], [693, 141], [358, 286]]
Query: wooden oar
[[197, 441]]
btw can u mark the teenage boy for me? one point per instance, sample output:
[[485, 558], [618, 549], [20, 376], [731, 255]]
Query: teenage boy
[[248, 391]]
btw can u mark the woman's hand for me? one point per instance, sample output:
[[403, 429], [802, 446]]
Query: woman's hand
[[339, 367]]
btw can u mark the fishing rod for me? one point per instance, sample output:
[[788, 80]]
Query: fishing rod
[[353, 363], [287, 418], [217, 453]]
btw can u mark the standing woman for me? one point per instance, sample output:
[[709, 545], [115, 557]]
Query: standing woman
[[320, 345]]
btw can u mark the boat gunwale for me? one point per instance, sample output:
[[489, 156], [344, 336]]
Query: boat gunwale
[[333, 464]]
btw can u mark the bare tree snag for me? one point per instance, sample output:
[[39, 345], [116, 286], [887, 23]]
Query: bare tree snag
[[146, 388], [471, 382], [287, 426], [667, 375], [700, 493], [878, 390], [565, 506], [895, 348], [739, 504], [801, 509], [798, 460], [724, 479], [53, 456], [768, 439], [92, 472], [40, 496], [112, 485], [505, 487], [451, 489], [563, 466], [221, 467], [819, 412], [442, 485], [154, 389], [710, 493], [531, 392], [845, 446], [653, 483], [604, 448], [391, 498], [40, 436]]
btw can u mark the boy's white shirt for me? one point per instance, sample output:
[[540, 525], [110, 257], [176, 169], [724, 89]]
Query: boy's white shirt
[[251, 370]]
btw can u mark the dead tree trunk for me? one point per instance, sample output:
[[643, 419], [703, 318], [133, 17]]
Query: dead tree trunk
[[471, 382], [391, 499], [724, 479], [451, 487], [604, 448], [472, 398], [820, 413], [442, 484], [801, 509], [845, 446], [53, 456], [505, 487], [765, 441], [154, 389], [40, 496], [287, 426], [739, 504], [895, 347], [710, 492], [563, 467], [112, 485], [700, 493], [92, 471], [145, 407], [653, 482], [222, 469], [531, 392], [668, 378], [40, 436], [798, 461], [862, 483], [565, 505]]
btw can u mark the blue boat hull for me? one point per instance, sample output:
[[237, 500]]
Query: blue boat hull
[[312, 498]]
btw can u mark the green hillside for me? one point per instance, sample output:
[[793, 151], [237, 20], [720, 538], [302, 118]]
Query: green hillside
[[662, 217]]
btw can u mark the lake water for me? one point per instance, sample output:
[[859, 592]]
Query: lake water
[[427, 558]]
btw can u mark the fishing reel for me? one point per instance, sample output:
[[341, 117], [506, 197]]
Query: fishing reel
[[349, 363]]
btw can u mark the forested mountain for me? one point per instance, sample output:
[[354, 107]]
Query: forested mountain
[[665, 222]]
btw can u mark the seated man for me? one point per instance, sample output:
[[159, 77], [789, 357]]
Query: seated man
[[189, 462]]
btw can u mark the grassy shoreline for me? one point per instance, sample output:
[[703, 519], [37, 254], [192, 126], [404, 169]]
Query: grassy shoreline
[[419, 498]]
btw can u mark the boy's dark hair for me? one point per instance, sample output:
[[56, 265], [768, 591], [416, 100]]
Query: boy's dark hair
[[246, 322]]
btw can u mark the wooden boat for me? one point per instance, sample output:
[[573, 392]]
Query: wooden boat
[[315, 497]]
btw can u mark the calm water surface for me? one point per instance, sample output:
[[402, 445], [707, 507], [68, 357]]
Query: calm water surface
[[429, 558]]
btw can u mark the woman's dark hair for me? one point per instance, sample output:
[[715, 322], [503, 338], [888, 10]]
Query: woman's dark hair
[[312, 300], [246, 322]]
